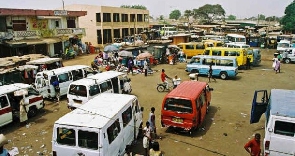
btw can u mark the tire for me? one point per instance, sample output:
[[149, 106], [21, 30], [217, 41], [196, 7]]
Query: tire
[[161, 88], [32, 112], [287, 60], [223, 75], [195, 71]]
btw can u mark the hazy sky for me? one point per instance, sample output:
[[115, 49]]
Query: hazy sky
[[239, 8]]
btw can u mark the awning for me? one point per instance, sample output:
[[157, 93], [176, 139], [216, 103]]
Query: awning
[[33, 42], [48, 17], [15, 44], [51, 40]]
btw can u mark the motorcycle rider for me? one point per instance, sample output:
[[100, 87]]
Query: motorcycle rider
[[164, 80]]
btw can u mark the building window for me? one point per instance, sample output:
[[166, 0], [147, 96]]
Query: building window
[[139, 18], [116, 17], [117, 33], [19, 25], [124, 17], [125, 32], [71, 23], [146, 17], [107, 36], [132, 17], [99, 38], [107, 17], [98, 18], [56, 24]]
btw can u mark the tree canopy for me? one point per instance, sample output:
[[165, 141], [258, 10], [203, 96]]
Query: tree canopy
[[231, 17], [261, 17], [208, 13], [134, 7], [288, 21], [175, 14]]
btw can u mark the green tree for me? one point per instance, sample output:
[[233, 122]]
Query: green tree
[[288, 21], [232, 17], [208, 13], [175, 14], [272, 18], [161, 17], [134, 7], [187, 13], [261, 17]]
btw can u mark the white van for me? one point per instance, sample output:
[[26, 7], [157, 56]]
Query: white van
[[101, 127], [10, 97], [65, 76], [279, 110], [82, 90]]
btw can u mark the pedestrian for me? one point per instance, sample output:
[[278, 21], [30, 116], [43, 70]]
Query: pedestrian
[[152, 123], [253, 146], [3, 141], [210, 73], [248, 62], [147, 138], [275, 60], [128, 151], [145, 67], [163, 78], [23, 113], [278, 66], [176, 81], [130, 65], [55, 84]]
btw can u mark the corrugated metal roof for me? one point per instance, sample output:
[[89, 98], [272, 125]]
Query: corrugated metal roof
[[97, 111], [283, 102]]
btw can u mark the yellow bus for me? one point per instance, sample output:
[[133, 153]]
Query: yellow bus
[[193, 48], [224, 51]]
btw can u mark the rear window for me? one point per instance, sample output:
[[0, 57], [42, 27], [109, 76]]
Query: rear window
[[284, 128], [88, 139], [66, 136], [78, 90], [178, 105]]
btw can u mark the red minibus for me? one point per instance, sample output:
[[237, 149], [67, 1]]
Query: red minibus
[[186, 106]]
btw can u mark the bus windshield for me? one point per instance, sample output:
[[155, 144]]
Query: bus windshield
[[178, 105], [78, 90]]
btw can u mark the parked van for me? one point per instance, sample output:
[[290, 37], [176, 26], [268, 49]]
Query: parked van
[[223, 67], [65, 76], [101, 127], [186, 106], [254, 60], [193, 48], [240, 53], [279, 109], [10, 97], [83, 90], [46, 63]]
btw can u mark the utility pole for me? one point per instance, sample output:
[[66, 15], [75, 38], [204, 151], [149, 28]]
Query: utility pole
[[63, 5]]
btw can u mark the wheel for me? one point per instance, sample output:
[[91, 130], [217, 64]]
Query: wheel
[[32, 112], [223, 75], [287, 60], [161, 88], [195, 71]]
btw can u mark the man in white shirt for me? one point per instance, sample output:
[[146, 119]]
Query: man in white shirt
[[176, 81], [145, 67]]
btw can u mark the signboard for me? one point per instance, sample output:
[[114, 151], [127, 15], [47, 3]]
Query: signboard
[[21, 92], [60, 12]]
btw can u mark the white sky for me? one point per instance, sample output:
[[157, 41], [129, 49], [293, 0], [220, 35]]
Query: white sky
[[239, 8]]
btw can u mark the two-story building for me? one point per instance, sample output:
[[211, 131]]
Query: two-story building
[[28, 31], [104, 23]]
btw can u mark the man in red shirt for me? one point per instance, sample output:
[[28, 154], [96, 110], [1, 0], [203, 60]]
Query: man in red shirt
[[253, 146], [163, 78]]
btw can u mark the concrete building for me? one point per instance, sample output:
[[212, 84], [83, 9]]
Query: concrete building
[[28, 31], [104, 23]]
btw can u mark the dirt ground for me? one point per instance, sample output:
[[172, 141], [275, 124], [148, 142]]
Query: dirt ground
[[224, 132]]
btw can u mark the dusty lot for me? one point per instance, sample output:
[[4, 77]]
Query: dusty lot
[[224, 132]]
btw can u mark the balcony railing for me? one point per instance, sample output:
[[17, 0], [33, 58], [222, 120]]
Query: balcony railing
[[23, 34], [67, 31]]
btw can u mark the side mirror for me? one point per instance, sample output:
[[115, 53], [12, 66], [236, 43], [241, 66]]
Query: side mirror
[[211, 89], [142, 109]]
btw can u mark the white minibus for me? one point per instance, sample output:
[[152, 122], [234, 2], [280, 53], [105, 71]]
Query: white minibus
[[103, 126], [65, 75], [236, 38], [82, 90]]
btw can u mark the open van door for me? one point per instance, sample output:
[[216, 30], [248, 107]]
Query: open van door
[[259, 105]]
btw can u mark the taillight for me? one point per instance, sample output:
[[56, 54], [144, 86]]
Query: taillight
[[266, 145], [54, 153]]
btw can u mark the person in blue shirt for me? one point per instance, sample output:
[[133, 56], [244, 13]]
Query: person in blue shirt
[[55, 84]]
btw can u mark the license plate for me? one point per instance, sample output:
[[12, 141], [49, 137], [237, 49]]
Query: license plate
[[78, 101], [179, 120]]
